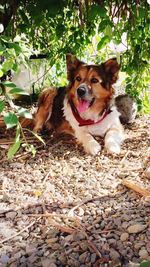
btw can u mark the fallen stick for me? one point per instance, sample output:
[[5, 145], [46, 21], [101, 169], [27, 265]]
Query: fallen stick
[[103, 198], [64, 229], [54, 215], [125, 156], [136, 188], [20, 232], [11, 141]]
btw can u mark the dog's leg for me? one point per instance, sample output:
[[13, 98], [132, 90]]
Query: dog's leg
[[113, 139], [45, 108], [40, 119], [90, 145]]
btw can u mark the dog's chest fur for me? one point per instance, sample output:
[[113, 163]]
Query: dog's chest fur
[[99, 129]]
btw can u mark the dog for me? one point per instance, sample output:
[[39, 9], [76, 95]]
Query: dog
[[85, 108]]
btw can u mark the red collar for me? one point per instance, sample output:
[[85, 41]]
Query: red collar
[[83, 122]]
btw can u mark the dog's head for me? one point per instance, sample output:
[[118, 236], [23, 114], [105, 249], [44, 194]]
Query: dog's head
[[90, 86]]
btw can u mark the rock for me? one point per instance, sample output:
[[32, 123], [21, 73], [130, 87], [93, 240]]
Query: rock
[[18, 255], [30, 249], [147, 173], [32, 258], [93, 257], [52, 265], [112, 241], [138, 245], [4, 259], [13, 264], [148, 247], [17, 165], [47, 262], [29, 264], [124, 236], [82, 257], [40, 253], [11, 215], [46, 253], [132, 264], [144, 254], [136, 228], [114, 254], [23, 259], [83, 246], [125, 225], [63, 259], [56, 246], [77, 236], [73, 263]]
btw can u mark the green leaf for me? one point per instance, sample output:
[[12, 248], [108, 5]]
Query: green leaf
[[145, 264], [2, 105], [108, 31], [23, 112], [17, 138], [102, 25], [18, 91], [9, 84], [1, 73], [10, 120], [8, 64], [103, 42], [16, 47], [97, 10], [13, 149]]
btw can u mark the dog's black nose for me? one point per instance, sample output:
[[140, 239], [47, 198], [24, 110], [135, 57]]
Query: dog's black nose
[[81, 91]]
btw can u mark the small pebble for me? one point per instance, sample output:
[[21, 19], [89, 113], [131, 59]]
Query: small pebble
[[124, 236], [11, 215], [4, 259], [114, 254], [136, 228], [82, 257], [144, 254]]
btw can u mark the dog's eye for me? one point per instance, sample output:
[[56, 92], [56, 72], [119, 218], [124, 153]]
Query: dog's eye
[[94, 80], [78, 78]]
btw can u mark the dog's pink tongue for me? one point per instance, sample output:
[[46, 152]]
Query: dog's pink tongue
[[83, 105]]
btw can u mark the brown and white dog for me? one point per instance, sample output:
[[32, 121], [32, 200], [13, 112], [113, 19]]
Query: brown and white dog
[[85, 108]]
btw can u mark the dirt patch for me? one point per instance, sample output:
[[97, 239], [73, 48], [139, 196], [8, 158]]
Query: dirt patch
[[66, 208]]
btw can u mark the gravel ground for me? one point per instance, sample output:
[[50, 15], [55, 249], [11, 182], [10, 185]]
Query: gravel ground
[[66, 208]]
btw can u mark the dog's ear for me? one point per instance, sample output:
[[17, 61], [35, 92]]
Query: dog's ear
[[72, 64], [109, 72]]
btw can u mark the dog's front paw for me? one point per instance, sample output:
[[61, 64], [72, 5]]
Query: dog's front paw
[[113, 148], [92, 147]]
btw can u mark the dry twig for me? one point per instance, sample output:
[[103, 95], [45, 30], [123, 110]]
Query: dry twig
[[24, 229], [136, 188], [70, 213], [54, 215]]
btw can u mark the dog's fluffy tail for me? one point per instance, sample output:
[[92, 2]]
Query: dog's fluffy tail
[[45, 104]]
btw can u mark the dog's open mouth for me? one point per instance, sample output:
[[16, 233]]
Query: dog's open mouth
[[84, 104]]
